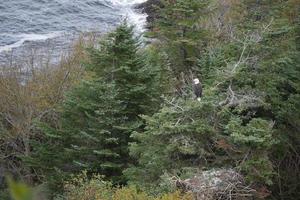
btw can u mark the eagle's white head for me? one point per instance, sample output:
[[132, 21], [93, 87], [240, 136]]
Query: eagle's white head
[[196, 81]]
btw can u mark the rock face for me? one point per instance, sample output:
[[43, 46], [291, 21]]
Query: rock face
[[149, 7], [217, 184]]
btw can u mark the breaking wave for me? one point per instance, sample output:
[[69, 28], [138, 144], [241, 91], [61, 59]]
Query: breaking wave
[[25, 21]]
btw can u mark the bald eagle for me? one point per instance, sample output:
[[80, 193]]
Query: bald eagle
[[197, 88]]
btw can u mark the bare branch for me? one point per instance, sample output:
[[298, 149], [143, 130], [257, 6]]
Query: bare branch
[[171, 103]]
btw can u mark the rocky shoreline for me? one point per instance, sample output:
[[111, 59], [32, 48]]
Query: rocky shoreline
[[149, 8]]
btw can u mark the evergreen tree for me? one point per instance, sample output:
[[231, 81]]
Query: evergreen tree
[[247, 54], [187, 136], [98, 116], [86, 137], [120, 60], [181, 33], [272, 70], [251, 79]]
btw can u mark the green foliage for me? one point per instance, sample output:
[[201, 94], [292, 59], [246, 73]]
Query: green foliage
[[256, 139], [98, 116], [172, 135], [256, 134], [19, 191], [87, 136], [259, 169], [120, 60], [249, 79], [187, 135], [80, 187], [179, 29], [115, 123]]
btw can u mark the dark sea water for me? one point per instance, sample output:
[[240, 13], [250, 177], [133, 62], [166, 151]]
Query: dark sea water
[[40, 24]]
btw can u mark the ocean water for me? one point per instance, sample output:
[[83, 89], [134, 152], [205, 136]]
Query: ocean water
[[26, 24]]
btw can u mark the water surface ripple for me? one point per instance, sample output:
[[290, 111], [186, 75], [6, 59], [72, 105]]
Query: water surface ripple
[[24, 22]]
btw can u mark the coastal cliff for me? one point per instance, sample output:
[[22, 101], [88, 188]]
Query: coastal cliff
[[150, 8]]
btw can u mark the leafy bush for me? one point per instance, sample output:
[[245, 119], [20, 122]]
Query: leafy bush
[[81, 187]]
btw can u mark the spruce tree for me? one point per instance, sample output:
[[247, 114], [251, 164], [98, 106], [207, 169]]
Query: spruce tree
[[178, 27], [120, 60], [251, 84], [85, 138], [99, 115]]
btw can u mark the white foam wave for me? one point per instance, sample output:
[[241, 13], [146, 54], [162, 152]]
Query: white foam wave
[[127, 2], [125, 6], [28, 37], [137, 19]]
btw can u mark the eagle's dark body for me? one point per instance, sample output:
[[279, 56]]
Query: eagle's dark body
[[197, 88]]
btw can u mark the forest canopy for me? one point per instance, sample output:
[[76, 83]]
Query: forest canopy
[[118, 118]]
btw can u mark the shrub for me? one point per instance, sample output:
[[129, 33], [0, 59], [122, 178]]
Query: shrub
[[81, 187]]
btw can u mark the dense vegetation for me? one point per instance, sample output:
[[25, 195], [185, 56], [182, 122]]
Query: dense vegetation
[[127, 123]]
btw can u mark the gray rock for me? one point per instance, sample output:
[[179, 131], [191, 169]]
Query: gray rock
[[217, 184], [150, 8]]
